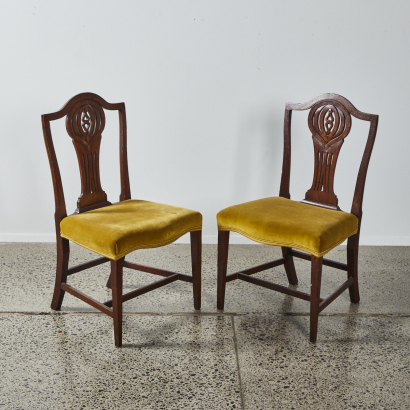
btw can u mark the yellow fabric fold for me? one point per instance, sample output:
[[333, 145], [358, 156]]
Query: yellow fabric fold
[[283, 222], [118, 229]]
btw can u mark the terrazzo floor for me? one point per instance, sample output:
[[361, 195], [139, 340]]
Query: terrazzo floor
[[254, 355]]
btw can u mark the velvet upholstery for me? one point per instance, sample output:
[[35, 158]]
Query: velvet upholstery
[[118, 229], [283, 222]]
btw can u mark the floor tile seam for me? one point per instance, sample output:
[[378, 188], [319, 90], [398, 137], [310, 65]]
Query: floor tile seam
[[238, 369], [151, 314], [208, 314]]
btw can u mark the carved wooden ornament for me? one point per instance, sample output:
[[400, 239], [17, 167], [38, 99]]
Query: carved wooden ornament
[[84, 123], [330, 123]]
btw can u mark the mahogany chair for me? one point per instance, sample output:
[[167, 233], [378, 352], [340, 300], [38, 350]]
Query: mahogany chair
[[315, 225], [111, 230]]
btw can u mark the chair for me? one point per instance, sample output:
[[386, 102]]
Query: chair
[[111, 230], [315, 225]]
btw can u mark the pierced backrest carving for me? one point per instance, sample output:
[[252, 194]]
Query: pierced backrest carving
[[330, 123], [85, 123]]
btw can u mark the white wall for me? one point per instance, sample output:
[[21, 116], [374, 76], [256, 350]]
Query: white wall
[[205, 83]]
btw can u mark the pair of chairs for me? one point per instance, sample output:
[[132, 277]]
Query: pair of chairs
[[315, 225]]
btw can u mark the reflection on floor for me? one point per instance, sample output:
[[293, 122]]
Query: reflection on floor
[[256, 355]]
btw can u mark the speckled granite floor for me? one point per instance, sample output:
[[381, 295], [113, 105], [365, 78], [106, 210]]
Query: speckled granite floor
[[254, 356]]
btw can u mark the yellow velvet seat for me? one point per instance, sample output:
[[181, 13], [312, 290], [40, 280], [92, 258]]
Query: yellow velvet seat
[[118, 229], [283, 222]]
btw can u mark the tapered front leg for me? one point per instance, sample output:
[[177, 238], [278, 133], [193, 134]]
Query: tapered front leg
[[352, 267], [223, 245], [316, 279], [63, 254], [196, 260], [289, 266], [116, 282]]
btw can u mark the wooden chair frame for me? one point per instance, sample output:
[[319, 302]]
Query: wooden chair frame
[[87, 148], [316, 196]]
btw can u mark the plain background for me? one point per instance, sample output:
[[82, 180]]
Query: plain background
[[205, 84]]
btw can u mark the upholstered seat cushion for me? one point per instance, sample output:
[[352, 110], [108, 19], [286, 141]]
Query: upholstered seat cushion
[[283, 222], [118, 229]]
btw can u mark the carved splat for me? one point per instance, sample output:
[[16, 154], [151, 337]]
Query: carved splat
[[85, 123], [330, 123]]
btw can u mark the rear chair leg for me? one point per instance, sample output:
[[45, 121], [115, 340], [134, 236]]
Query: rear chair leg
[[352, 267], [116, 275], [63, 254], [289, 266], [316, 278], [223, 245], [196, 256], [109, 282]]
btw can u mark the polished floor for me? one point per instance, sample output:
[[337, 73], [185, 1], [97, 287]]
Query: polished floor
[[256, 355]]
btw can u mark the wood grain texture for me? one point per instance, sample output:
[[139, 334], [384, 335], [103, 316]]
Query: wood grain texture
[[315, 284], [223, 246], [196, 262], [116, 277]]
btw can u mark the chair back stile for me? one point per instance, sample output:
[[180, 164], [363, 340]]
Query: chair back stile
[[85, 121], [329, 121]]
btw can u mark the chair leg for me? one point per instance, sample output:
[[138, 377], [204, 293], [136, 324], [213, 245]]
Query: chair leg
[[316, 278], [289, 266], [116, 275], [63, 254], [109, 282], [223, 245], [196, 259], [352, 267]]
